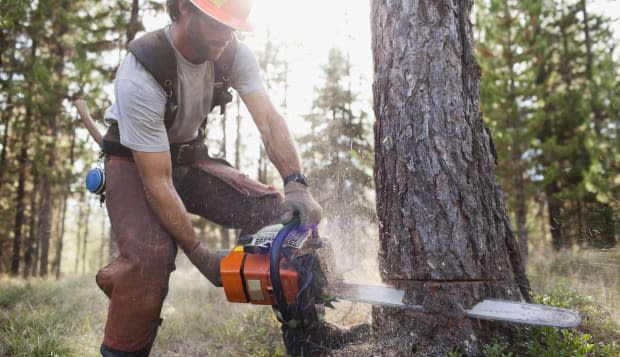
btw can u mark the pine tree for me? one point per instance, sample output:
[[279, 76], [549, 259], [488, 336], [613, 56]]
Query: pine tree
[[547, 93], [337, 158]]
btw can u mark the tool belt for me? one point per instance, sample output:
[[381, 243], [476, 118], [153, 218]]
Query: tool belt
[[180, 153]]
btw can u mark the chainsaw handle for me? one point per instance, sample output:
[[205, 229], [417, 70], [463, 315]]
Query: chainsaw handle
[[274, 266]]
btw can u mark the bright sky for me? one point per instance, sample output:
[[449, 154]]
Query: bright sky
[[307, 30]]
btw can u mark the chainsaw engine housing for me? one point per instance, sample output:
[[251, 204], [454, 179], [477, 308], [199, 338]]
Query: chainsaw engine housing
[[246, 278]]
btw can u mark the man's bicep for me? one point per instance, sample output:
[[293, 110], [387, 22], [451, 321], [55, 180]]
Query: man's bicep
[[154, 167], [261, 108]]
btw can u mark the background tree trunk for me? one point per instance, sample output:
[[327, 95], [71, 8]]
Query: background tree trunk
[[444, 233], [20, 196], [30, 246]]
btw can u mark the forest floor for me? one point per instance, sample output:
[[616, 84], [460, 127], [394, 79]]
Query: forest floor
[[66, 317]]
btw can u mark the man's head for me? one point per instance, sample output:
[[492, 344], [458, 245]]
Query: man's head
[[208, 25]]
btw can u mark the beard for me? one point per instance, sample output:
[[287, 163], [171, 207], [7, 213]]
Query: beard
[[206, 50]]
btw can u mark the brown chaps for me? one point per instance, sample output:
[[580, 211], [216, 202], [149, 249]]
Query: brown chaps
[[136, 282]]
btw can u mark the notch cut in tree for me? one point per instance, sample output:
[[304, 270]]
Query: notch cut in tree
[[444, 234]]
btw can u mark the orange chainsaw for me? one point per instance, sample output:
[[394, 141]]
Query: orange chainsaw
[[278, 266]]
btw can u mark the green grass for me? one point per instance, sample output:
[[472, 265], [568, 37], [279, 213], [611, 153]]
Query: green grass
[[587, 281], [46, 318], [66, 318], [592, 274]]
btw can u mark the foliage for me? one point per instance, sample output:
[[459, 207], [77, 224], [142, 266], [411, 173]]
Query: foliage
[[337, 150], [55, 50], [548, 94], [338, 157], [497, 348]]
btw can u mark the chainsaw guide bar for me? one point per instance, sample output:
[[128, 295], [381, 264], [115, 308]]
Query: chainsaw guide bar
[[291, 268], [487, 309]]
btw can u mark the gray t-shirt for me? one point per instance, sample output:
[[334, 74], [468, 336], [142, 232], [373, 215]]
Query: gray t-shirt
[[140, 101]]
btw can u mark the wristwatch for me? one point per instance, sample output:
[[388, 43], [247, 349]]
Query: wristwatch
[[297, 177]]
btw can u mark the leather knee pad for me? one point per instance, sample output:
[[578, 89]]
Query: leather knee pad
[[137, 293]]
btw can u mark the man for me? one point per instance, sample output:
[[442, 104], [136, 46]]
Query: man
[[151, 183]]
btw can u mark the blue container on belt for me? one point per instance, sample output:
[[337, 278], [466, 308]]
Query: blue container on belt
[[95, 180]]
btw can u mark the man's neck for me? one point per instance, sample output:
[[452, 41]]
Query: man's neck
[[179, 41]]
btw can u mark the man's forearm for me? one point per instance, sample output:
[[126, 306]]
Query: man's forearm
[[169, 209], [274, 132], [280, 148], [156, 175]]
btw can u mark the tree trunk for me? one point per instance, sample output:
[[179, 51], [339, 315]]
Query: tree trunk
[[29, 248], [20, 196], [554, 209], [66, 189], [45, 225], [444, 233], [134, 25], [85, 241], [521, 218], [78, 233], [6, 122], [102, 242], [225, 234], [61, 231], [112, 246]]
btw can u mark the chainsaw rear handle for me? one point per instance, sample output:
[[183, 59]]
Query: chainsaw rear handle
[[274, 266]]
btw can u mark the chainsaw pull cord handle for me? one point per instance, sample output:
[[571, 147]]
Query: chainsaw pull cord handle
[[274, 266]]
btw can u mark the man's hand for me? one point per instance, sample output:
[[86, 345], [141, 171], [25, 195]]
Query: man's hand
[[208, 263], [298, 200]]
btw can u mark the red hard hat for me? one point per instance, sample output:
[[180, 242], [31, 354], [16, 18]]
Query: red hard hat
[[232, 13]]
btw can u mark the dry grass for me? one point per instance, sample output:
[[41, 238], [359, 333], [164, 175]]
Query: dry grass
[[66, 318], [594, 274]]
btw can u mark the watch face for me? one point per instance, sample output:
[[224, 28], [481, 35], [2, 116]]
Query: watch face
[[297, 178]]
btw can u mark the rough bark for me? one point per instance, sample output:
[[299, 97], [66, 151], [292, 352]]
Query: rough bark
[[20, 197], [86, 233], [444, 232], [7, 114], [45, 225], [66, 190], [30, 246], [135, 24]]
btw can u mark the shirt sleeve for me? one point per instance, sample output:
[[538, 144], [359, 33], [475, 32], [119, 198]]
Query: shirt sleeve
[[245, 73], [140, 106]]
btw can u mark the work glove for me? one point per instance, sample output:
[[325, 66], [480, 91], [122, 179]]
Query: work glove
[[298, 201], [208, 263]]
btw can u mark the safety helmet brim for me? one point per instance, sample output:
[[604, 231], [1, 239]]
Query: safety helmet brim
[[232, 13]]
